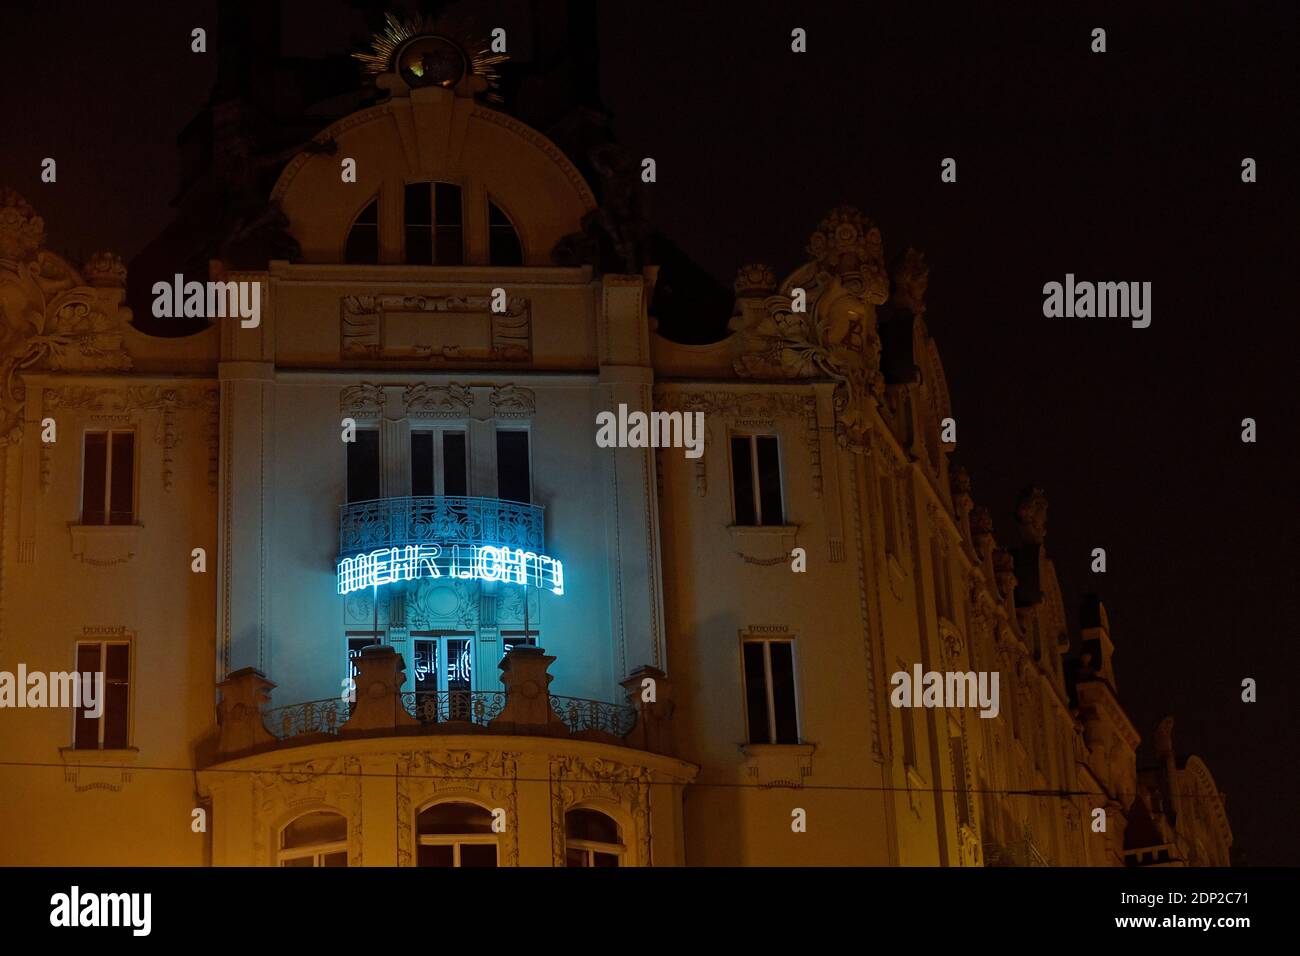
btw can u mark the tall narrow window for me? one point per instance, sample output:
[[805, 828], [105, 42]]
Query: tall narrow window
[[591, 839], [513, 480], [450, 249], [503, 240], [439, 463], [418, 222], [520, 638], [769, 692], [110, 728], [315, 839], [962, 795], [456, 834], [362, 247], [443, 674], [108, 478], [756, 480], [363, 465]]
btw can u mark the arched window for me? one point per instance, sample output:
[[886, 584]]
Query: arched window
[[434, 224], [591, 839], [363, 238], [315, 839], [456, 834], [503, 241]]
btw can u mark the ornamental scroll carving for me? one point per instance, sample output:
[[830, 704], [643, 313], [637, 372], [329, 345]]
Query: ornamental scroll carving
[[836, 336], [577, 779], [485, 777], [434, 330], [116, 404], [283, 794], [51, 316], [438, 401]]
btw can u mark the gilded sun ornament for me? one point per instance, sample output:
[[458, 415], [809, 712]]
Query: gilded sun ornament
[[426, 52]]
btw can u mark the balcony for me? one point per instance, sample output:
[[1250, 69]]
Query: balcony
[[444, 520], [249, 725]]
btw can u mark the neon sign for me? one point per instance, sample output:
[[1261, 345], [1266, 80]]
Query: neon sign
[[463, 562]]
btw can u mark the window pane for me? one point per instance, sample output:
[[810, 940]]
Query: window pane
[[436, 856], [314, 829], [426, 666], [756, 693], [574, 857], [300, 861], [590, 825], [503, 241], [448, 818], [450, 251], [362, 247], [418, 219], [335, 859], [86, 731], [458, 678], [355, 646], [604, 859], [512, 466], [122, 495], [478, 854], [769, 480], [422, 463], [116, 696], [363, 466], [454, 461], [787, 729], [742, 481], [93, 474]]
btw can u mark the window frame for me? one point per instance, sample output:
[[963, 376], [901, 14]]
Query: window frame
[[591, 847], [496, 452], [454, 840], [751, 438], [434, 225], [439, 431], [367, 426], [767, 640], [109, 432], [317, 851], [102, 719]]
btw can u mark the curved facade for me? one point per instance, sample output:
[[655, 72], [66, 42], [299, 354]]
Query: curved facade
[[368, 592]]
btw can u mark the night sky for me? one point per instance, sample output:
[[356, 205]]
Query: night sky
[[1123, 166]]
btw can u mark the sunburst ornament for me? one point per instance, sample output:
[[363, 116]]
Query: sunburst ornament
[[426, 52]]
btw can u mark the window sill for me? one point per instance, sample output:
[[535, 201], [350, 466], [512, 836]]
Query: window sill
[[764, 544], [115, 756], [105, 544], [778, 764]]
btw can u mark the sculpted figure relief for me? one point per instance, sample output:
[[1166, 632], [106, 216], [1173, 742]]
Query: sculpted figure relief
[[836, 336], [49, 316]]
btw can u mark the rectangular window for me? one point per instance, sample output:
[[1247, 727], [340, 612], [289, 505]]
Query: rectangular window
[[513, 480], [942, 583], [108, 478], [422, 464], [439, 463], [363, 465], [455, 464], [110, 730], [770, 706], [959, 779], [756, 480]]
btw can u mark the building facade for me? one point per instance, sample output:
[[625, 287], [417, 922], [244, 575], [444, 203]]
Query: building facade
[[366, 590]]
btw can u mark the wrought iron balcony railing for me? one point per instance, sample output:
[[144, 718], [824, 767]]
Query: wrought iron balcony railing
[[479, 707], [579, 715], [444, 520]]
